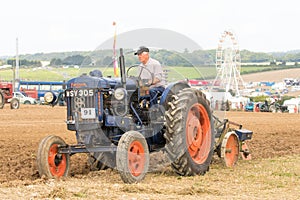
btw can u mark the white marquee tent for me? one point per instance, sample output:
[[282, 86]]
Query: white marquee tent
[[293, 105]]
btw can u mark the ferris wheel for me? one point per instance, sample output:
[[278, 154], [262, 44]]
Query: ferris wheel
[[228, 63]]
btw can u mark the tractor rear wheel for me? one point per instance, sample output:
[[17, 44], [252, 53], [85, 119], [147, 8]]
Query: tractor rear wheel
[[189, 133], [230, 149], [49, 162], [14, 103], [132, 157], [2, 100]]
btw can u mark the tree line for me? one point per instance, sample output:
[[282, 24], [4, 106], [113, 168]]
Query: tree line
[[23, 62], [167, 58]]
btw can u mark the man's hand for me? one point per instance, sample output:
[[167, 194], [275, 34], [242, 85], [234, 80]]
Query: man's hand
[[155, 81], [146, 82]]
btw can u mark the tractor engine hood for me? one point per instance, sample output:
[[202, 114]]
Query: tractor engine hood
[[86, 81]]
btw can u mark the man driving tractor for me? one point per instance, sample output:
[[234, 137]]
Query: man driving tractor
[[156, 81]]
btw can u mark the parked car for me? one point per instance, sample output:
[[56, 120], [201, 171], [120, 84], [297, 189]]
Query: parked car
[[24, 99], [249, 106]]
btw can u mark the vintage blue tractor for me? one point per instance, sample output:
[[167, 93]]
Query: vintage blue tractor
[[115, 125]]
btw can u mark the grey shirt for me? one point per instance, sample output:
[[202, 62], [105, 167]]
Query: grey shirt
[[155, 68]]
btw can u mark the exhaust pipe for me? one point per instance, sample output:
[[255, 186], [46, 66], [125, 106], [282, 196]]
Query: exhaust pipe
[[122, 68]]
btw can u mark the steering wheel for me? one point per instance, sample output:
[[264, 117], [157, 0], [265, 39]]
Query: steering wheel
[[141, 82]]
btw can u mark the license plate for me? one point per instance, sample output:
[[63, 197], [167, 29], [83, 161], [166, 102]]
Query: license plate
[[80, 93], [88, 113]]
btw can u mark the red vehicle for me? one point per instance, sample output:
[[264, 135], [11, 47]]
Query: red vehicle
[[6, 95], [198, 82]]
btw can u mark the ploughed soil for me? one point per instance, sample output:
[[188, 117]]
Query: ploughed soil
[[276, 76], [275, 136]]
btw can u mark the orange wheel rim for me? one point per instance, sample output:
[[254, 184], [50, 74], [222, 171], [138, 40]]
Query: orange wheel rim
[[136, 158], [231, 151], [57, 164], [198, 133]]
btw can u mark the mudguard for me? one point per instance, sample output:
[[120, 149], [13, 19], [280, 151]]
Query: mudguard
[[170, 90]]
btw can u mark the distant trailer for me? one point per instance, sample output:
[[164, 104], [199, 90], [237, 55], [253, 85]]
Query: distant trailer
[[37, 89]]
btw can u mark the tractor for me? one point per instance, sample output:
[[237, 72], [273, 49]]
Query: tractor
[[274, 107], [115, 125], [6, 96]]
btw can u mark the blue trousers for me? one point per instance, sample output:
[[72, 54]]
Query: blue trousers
[[154, 93]]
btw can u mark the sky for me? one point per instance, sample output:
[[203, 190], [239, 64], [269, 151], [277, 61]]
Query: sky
[[44, 26]]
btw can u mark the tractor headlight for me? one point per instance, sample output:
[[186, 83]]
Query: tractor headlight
[[120, 94], [49, 97]]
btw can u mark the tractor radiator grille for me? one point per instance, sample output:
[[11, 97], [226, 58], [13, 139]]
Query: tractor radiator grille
[[83, 105]]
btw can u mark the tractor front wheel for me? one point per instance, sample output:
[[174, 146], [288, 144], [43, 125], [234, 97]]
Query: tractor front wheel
[[50, 163], [132, 158], [14, 103]]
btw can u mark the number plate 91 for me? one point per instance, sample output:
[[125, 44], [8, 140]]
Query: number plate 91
[[88, 113]]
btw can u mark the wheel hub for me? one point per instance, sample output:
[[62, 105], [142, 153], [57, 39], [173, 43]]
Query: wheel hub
[[136, 158], [195, 134], [198, 133], [57, 162]]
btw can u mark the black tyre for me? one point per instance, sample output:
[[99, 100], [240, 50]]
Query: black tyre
[[14, 103], [132, 157], [49, 162], [190, 133], [2, 100], [61, 99], [27, 102]]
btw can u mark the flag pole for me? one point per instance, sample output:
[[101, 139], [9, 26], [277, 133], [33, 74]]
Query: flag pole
[[115, 60]]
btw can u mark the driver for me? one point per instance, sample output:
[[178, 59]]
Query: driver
[[156, 80]]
